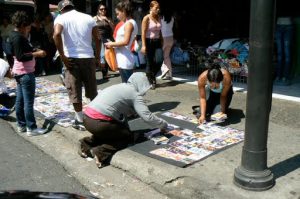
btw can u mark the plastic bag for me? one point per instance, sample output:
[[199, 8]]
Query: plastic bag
[[110, 57], [4, 111]]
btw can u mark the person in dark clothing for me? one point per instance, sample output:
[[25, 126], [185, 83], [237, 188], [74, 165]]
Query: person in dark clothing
[[105, 28], [39, 40], [1, 49], [151, 41]]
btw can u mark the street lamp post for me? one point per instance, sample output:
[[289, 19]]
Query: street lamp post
[[253, 173]]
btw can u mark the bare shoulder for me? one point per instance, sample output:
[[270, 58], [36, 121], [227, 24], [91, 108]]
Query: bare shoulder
[[202, 78], [146, 17], [227, 76]]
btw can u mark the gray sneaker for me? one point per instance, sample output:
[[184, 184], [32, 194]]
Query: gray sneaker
[[21, 129], [37, 131]]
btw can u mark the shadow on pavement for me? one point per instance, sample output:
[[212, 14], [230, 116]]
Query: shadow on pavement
[[10, 118], [168, 84], [163, 106], [105, 80], [286, 166], [101, 81], [234, 116]]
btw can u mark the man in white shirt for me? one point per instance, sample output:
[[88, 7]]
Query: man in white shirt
[[73, 35]]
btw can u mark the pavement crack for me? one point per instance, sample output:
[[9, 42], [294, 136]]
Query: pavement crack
[[176, 181]]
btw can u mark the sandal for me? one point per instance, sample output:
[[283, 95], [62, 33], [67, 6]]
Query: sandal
[[84, 149]]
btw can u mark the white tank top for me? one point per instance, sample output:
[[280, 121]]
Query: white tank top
[[167, 28], [124, 56]]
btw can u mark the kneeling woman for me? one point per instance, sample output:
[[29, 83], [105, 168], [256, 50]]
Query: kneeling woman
[[106, 118], [215, 90]]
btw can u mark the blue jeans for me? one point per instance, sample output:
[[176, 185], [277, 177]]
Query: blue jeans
[[125, 74], [25, 101], [283, 36]]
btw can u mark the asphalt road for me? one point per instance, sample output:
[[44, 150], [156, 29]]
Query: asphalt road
[[24, 167]]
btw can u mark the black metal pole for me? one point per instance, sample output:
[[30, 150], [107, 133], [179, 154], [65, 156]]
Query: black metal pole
[[253, 173]]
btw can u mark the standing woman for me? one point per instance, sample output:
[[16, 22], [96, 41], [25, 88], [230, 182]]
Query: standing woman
[[151, 41], [124, 38], [23, 69], [167, 22], [215, 90], [105, 27]]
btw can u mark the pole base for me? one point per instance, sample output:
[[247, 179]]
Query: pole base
[[253, 180]]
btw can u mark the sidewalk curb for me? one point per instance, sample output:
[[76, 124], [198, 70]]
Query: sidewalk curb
[[107, 182]]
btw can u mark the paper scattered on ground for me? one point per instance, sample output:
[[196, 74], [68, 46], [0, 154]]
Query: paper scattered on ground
[[180, 117], [194, 146], [43, 86], [219, 116], [160, 139]]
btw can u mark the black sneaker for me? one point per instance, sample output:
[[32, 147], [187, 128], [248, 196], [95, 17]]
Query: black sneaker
[[78, 125]]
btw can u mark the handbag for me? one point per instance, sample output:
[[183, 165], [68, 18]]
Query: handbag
[[110, 57], [136, 46]]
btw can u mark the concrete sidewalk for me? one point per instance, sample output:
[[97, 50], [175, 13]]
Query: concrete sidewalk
[[210, 178]]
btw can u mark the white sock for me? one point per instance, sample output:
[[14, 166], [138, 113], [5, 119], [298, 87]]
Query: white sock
[[79, 116]]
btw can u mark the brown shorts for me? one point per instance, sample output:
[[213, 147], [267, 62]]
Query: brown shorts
[[83, 71]]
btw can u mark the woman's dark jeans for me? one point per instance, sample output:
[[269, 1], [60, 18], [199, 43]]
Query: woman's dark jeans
[[283, 36], [152, 66], [125, 74], [25, 101]]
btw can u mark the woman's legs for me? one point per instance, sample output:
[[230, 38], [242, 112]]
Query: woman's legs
[[25, 101], [167, 65], [152, 66]]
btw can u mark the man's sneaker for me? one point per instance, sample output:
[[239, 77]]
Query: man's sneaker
[[78, 125], [21, 129], [37, 131]]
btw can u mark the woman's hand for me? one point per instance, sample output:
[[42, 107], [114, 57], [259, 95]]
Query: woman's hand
[[175, 132], [65, 60], [108, 44], [39, 53], [143, 49], [201, 119]]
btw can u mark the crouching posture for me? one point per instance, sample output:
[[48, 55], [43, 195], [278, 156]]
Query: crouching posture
[[215, 91], [106, 118]]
